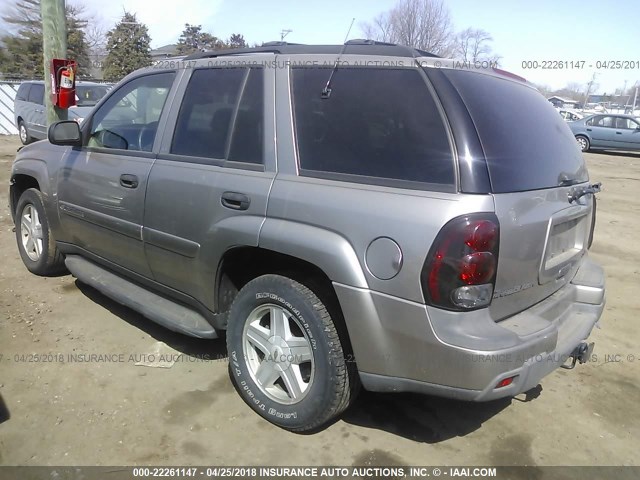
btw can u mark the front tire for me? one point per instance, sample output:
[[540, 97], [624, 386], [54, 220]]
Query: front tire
[[286, 358], [35, 242], [583, 143]]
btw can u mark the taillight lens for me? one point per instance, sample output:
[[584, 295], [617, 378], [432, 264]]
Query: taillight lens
[[460, 270]]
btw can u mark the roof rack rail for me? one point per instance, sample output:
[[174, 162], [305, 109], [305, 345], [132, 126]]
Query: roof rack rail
[[230, 51], [356, 46], [368, 41], [415, 52]]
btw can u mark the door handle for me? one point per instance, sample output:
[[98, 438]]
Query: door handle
[[128, 181], [588, 129], [235, 200], [618, 133]]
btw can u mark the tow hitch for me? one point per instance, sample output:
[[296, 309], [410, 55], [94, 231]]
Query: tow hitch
[[581, 354]]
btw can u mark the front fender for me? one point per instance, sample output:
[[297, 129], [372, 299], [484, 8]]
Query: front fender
[[31, 162], [33, 168], [327, 250]]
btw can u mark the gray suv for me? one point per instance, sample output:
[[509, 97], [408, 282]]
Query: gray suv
[[360, 215]]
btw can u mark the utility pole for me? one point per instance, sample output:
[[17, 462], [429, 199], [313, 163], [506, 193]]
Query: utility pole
[[586, 97], [54, 45], [284, 33]]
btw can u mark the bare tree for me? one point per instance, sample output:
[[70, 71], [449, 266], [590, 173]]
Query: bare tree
[[96, 37], [572, 91], [575, 90], [423, 24], [23, 16], [474, 45], [545, 90], [380, 29]]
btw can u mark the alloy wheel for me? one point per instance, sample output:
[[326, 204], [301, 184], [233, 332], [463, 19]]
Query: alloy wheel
[[31, 232], [278, 353]]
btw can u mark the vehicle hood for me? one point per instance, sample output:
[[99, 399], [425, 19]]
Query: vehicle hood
[[80, 112]]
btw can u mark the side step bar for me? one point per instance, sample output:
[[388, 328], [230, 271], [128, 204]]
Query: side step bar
[[155, 307]]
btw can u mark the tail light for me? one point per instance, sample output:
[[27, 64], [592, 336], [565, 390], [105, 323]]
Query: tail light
[[460, 270]]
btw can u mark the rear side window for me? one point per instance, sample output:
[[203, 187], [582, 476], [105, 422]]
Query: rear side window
[[216, 103], [604, 122], [23, 91], [36, 94], [380, 123], [594, 120], [526, 143]]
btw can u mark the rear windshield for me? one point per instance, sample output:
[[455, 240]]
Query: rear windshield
[[528, 146]]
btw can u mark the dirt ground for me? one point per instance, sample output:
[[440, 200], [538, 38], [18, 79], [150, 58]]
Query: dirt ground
[[98, 412]]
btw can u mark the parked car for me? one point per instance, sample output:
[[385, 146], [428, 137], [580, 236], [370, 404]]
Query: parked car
[[409, 229], [608, 132], [29, 110], [570, 115]]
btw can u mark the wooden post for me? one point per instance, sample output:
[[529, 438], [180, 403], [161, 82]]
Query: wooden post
[[54, 45]]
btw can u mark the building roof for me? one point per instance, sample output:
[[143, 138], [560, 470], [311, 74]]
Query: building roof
[[165, 51], [563, 100]]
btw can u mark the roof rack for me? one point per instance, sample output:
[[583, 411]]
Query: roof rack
[[357, 46]]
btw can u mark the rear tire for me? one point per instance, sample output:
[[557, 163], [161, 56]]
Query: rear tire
[[286, 358], [583, 143], [25, 138], [36, 244]]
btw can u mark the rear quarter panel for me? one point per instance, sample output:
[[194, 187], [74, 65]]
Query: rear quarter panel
[[360, 214]]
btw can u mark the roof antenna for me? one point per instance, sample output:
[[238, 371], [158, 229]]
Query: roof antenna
[[326, 91]]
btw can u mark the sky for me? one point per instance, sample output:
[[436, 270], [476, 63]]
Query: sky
[[523, 31]]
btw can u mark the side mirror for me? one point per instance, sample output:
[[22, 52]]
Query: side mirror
[[66, 132]]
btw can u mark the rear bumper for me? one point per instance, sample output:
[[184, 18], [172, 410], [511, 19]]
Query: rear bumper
[[403, 346]]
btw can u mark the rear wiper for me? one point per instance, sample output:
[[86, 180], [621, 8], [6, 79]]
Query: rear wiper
[[577, 193]]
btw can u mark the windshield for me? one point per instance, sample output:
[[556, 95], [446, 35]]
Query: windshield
[[89, 95], [528, 146]]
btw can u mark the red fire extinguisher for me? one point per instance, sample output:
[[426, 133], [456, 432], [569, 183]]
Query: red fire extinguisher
[[67, 91], [63, 85]]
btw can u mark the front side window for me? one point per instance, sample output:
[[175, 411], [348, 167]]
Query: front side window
[[23, 91], [128, 120], [36, 94], [626, 123], [221, 116], [380, 123]]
